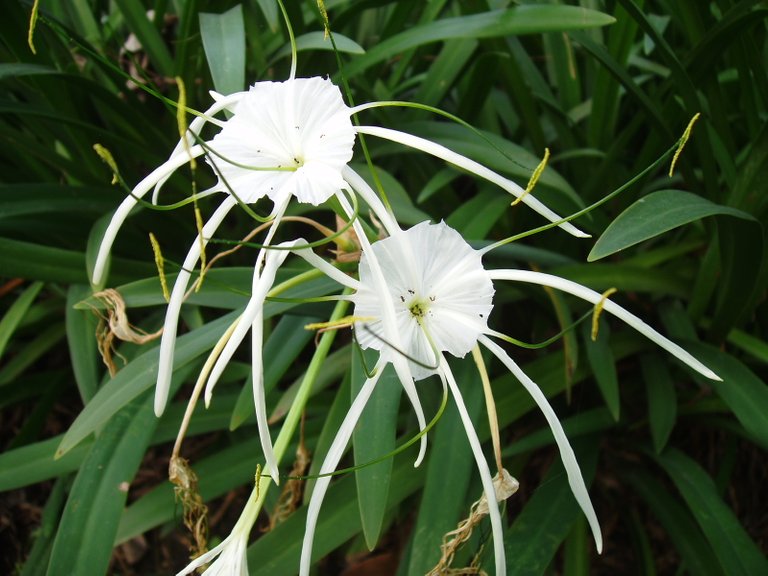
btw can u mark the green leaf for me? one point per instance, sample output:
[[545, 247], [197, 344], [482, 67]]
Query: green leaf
[[46, 198], [226, 469], [83, 544], [655, 214], [603, 365], [48, 263], [138, 376], [35, 462], [737, 553], [443, 502], [685, 535], [81, 338], [151, 41], [31, 352], [374, 437], [662, 399], [277, 553], [318, 41], [741, 389], [528, 19], [16, 313], [535, 536], [224, 44], [37, 561]]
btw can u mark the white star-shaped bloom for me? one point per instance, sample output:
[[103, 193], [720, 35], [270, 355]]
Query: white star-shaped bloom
[[422, 293], [284, 140]]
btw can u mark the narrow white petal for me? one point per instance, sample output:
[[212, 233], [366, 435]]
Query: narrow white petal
[[371, 198], [389, 321], [485, 473], [194, 129], [329, 270], [335, 452], [570, 463], [259, 400], [403, 373], [470, 166], [204, 559], [168, 340], [259, 287], [162, 171], [591, 296]]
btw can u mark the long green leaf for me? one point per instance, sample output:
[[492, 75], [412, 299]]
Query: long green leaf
[[224, 44], [655, 214], [449, 469], [16, 313], [535, 536], [83, 544], [277, 553], [135, 378], [81, 338], [528, 19], [373, 437], [741, 389], [737, 553]]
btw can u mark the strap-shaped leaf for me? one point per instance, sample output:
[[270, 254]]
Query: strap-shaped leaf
[[655, 214], [374, 437], [737, 553], [224, 44], [83, 544]]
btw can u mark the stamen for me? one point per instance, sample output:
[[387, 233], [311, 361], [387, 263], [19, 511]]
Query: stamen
[[32, 24], [534, 178], [109, 160], [160, 263], [599, 310], [683, 140]]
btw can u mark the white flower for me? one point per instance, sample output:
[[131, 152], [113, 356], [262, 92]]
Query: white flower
[[228, 558], [439, 289], [284, 140], [431, 286]]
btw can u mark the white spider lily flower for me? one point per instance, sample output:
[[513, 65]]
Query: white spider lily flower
[[284, 140], [439, 297], [228, 558]]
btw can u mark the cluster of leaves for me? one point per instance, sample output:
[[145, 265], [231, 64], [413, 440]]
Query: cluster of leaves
[[677, 462]]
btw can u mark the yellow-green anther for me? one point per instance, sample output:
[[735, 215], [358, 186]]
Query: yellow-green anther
[[599, 310], [203, 259], [181, 119], [683, 141], [32, 24], [344, 322], [160, 263], [109, 160], [534, 177], [324, 16]]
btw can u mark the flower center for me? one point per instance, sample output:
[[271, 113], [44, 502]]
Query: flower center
[[419, 307]]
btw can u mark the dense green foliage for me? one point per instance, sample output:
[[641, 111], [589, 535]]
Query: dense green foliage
[[677, 463]]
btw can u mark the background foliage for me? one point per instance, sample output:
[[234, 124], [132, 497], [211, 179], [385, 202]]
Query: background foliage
[[677, 463]]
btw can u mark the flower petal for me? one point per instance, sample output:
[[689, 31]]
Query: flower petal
[[335, 452], [300, 127], [162, 171], [485, 473], [471, 166], [591, 296], [170, 327], [572, 469]]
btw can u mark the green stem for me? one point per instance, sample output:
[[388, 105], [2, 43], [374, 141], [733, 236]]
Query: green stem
[[292, 419]]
